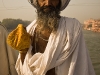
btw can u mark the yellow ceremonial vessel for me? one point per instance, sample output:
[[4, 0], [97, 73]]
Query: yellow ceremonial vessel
[[19, 39]]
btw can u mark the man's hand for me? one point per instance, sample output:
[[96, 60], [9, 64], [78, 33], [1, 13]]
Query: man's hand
[[23, 50], [23, 54]]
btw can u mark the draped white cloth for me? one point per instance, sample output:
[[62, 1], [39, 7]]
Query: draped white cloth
[[7, 55], [65, 50]]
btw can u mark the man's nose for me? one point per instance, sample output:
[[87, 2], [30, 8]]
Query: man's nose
[[47, 3]]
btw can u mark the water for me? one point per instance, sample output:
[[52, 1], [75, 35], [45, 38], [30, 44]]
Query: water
[[93, 43]]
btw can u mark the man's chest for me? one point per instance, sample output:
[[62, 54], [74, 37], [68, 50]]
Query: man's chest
[[40, 40]]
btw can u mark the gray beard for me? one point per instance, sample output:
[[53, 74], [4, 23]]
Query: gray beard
[[48, 20]]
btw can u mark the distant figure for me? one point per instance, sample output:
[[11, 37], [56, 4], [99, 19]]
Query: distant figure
[[7, 55]]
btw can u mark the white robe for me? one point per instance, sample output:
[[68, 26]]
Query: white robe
[[7, 55], [65, 50]]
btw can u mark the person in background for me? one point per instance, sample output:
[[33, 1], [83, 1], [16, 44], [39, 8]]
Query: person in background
[[7, 55], [57, 43]]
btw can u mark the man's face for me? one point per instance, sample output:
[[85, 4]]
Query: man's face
[[48, 13], [48, 5]]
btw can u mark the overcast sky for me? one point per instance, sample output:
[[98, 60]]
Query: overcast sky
[[79, 9]]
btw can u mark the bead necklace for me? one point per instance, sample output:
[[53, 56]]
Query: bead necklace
[[37, 36]]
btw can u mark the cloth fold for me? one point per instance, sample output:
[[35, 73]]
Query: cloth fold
[[65, 50]]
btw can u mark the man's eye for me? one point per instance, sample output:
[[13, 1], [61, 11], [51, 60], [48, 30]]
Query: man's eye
[[54, 0]]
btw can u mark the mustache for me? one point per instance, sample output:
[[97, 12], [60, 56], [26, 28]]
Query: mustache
[[48, 7]]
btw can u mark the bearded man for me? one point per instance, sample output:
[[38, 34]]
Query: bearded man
[[57, 43]]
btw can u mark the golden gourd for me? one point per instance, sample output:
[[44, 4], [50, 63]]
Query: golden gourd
[[19, 39]]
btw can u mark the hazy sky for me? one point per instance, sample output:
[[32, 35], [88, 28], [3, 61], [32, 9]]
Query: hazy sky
[[80, 9]]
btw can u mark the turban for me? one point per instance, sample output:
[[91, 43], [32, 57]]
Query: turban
[[64, 3]]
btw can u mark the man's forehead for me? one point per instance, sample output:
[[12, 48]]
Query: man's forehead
[[64, 3]]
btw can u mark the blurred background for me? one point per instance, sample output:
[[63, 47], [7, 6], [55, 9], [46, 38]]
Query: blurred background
[[13, 12]]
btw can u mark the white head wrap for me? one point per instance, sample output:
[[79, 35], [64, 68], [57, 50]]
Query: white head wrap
[[64, 3]]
